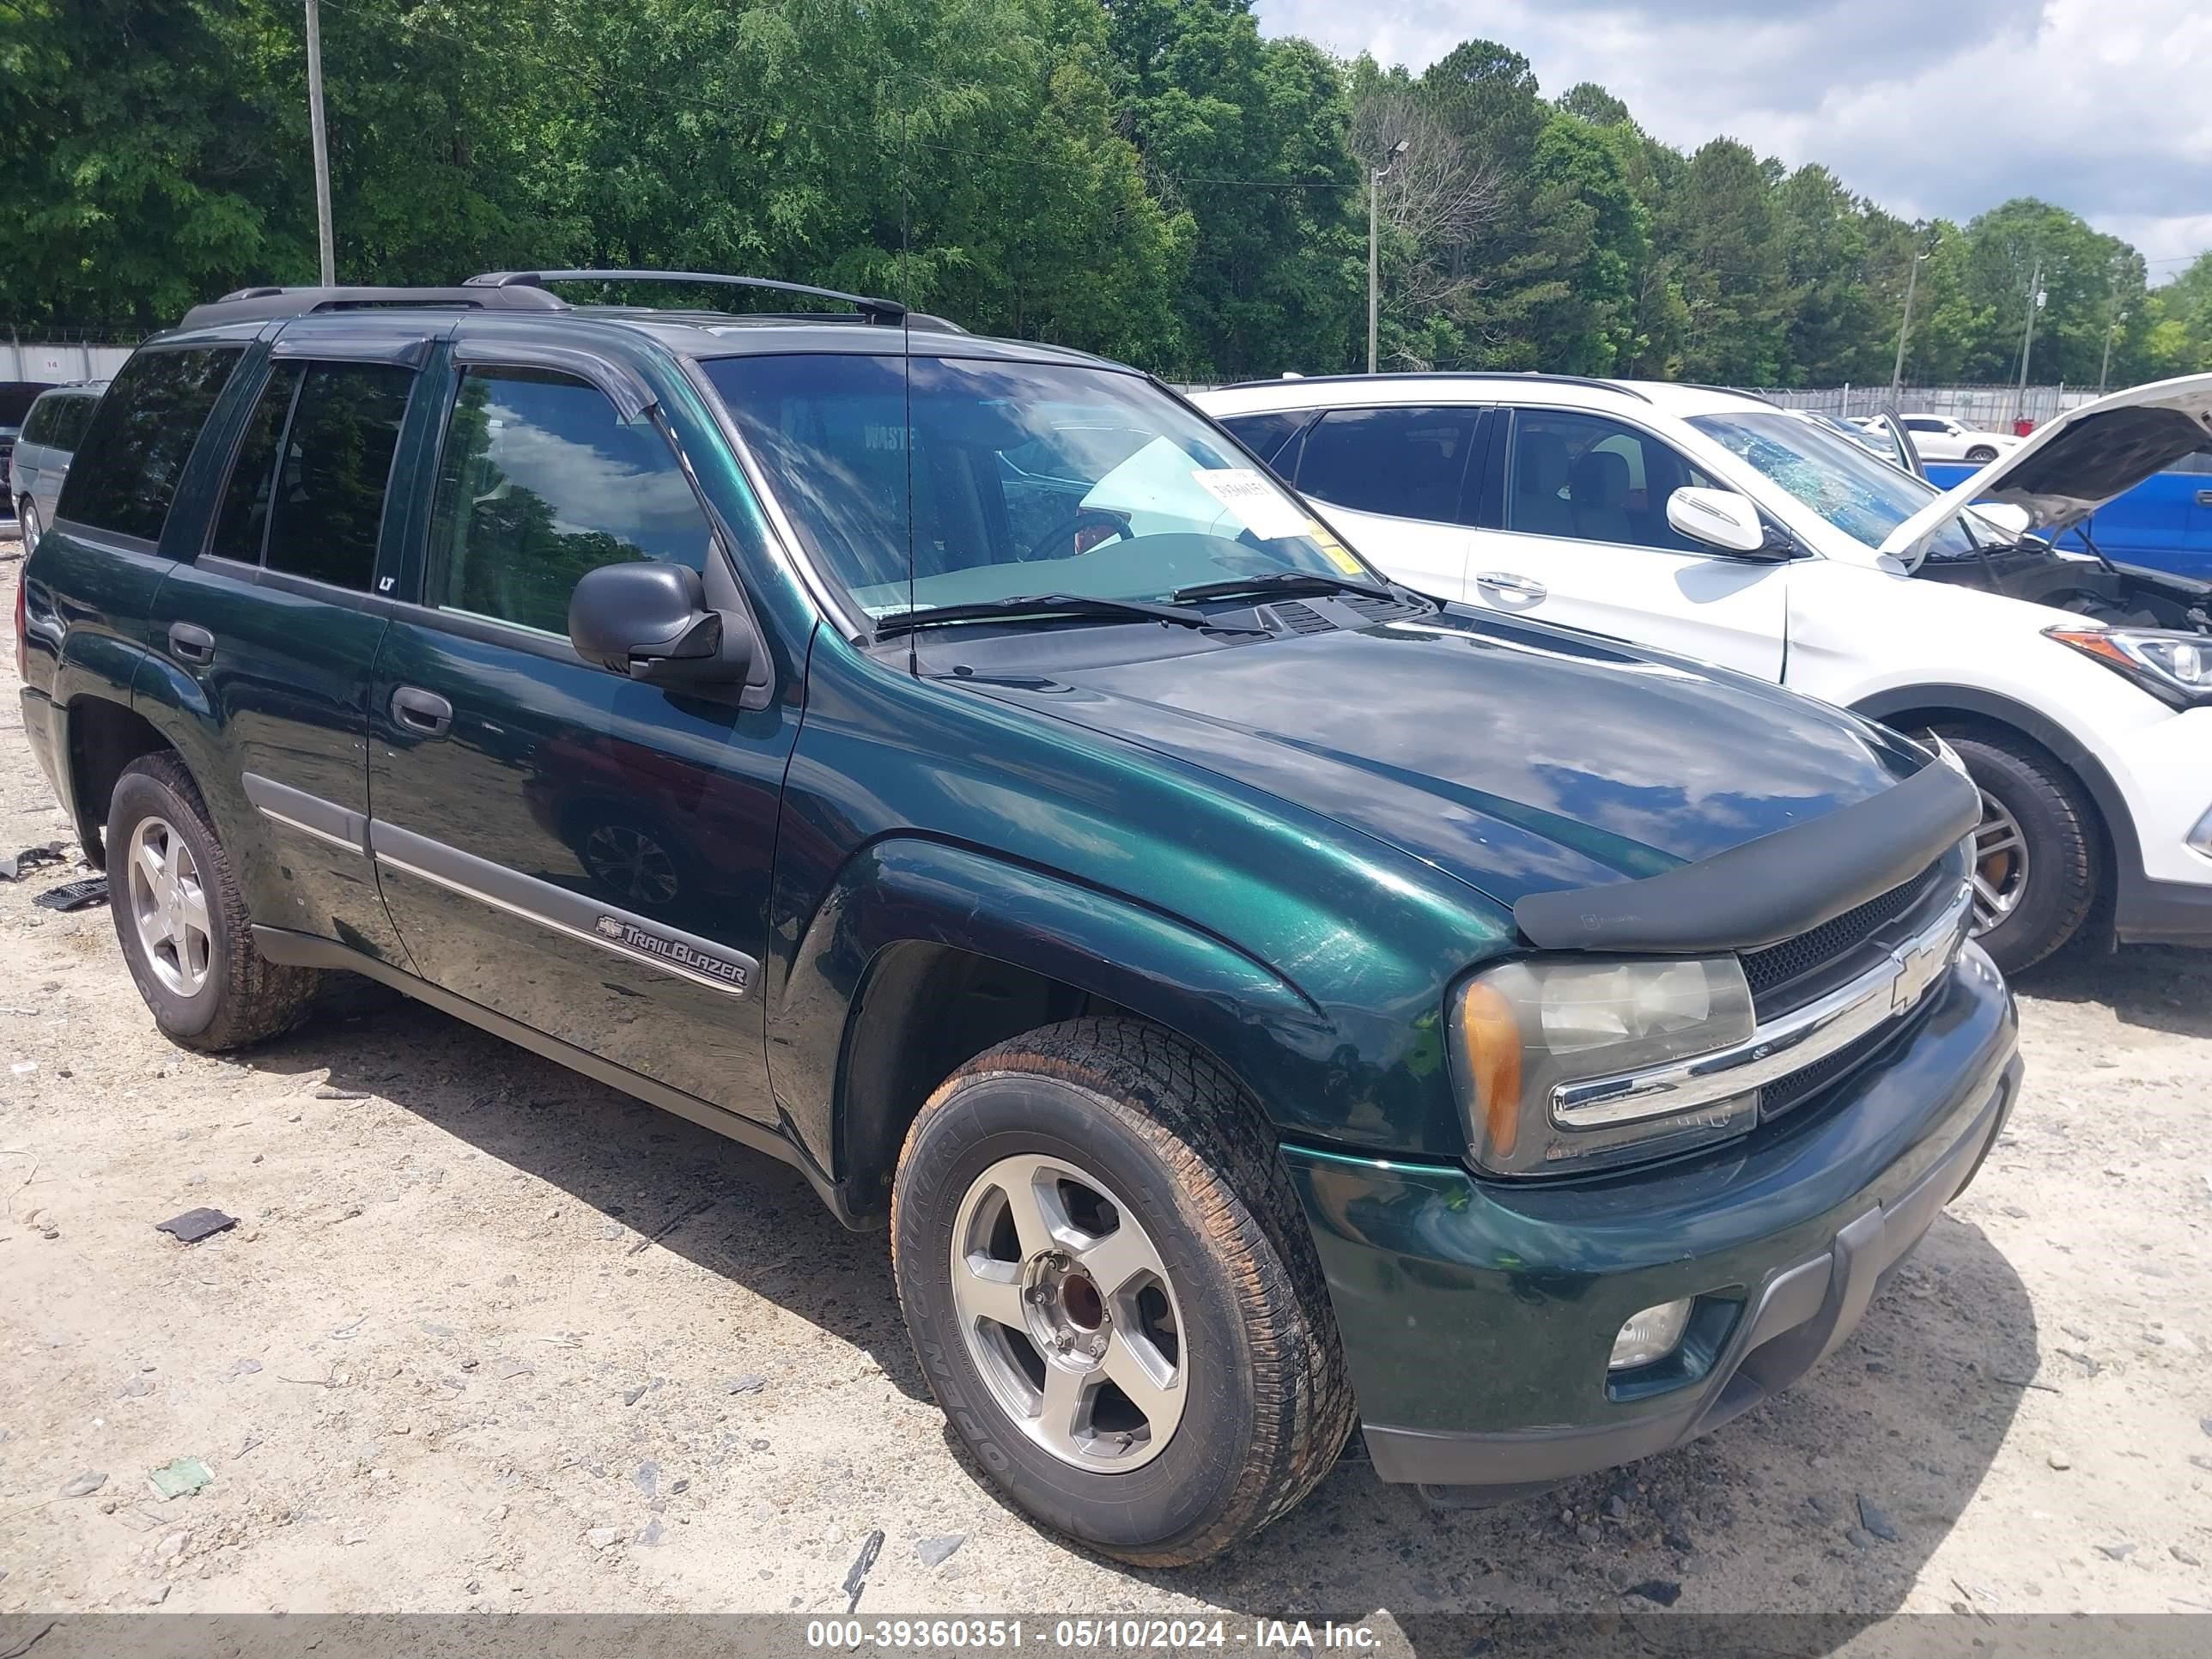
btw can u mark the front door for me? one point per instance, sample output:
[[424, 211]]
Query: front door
[[276, 622], [1584, 541], [581, 852]]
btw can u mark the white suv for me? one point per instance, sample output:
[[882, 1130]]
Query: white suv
[[2078, 693], [1939, 438]]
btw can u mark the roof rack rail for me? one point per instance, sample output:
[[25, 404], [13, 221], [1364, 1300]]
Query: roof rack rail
[[1454, 375], [247, 304], [875, 310]]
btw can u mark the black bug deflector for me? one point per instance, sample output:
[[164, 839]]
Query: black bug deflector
[[1771, 889]]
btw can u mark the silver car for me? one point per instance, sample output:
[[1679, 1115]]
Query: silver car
[[50, 432]]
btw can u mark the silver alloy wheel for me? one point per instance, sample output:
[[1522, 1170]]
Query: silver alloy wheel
[[27, 527], [168, 905], [1069, 1313], [2000, 864]]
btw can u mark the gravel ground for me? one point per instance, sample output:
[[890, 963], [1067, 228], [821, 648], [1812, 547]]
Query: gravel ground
[[490, 1336]]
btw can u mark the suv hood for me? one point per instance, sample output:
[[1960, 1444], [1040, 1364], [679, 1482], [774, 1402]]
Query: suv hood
[[2069, 468], [1516, 758]]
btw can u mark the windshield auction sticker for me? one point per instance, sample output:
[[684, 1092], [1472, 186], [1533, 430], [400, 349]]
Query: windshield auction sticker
[[1267, 512]]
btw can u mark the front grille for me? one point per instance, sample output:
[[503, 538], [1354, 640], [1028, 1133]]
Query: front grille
[[1786, 1094], [1772, 972]]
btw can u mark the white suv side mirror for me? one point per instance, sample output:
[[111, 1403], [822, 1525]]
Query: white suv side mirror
[[1718, 518]]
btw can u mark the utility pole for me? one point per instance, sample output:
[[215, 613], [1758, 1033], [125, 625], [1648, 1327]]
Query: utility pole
[[1904, 328], [1374, 179], [2027, 339], [322, 146], [2105, 368]]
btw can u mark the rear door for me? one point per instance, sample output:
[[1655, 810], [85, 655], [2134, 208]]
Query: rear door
[[1581, 538], [275, 623], [1399, 484], [585, 853]]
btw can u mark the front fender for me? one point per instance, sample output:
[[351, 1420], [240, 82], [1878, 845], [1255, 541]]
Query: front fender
[[908, 890]]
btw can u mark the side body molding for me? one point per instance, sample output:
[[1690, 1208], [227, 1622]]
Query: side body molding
[[560, 910], [908, 890]]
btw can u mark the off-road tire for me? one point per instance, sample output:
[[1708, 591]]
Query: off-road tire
[[2060, 830], [244, 999], [1269, 1407]]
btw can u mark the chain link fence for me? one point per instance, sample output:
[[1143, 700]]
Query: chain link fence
[[1987, 408]]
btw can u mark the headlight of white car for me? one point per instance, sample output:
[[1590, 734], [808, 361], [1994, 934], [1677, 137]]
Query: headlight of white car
[[2174, 667]]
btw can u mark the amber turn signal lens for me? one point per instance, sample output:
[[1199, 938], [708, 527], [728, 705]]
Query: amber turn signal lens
[[1492, 1037]]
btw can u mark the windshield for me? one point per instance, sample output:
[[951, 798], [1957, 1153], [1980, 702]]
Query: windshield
[[1845, 483], [1008, 480]]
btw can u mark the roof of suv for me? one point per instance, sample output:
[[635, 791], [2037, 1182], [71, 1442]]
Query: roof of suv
[[1567, 391], [525, 296]]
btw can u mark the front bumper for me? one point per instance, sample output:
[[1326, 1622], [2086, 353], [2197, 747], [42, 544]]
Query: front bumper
[[1477, 1316]]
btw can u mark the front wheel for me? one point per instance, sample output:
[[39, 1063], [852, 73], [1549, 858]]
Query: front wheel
[[1109, 1285], [1981, 454], [2035, 854], [27, 522]]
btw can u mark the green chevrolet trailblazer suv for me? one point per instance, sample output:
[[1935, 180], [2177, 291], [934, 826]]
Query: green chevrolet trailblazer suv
[[1258, 998]]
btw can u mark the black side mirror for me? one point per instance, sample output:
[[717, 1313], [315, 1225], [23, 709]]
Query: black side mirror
[[649, 621]]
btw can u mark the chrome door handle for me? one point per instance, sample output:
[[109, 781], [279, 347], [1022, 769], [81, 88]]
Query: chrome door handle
[[422, 712], [1506, 582], [2204, 498], [191, 643]]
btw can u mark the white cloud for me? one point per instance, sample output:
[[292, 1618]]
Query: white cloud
[[1930, 109]]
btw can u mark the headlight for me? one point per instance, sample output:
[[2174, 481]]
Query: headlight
[[2173, 666], [1522, 1030]]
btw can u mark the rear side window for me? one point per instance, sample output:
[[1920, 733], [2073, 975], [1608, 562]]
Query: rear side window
[[135, 449], [306, 491], [542, 480], [40, 421], [1409, 463], [1266, 435], [72, 415]]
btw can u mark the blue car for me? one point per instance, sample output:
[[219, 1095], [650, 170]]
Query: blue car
[[2165, 523]]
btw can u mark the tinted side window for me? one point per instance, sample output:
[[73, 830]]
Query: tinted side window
[[241, 524], [72, 416], [1411, 463], [541, 480], [1594, 480], [1913, 425], [39, 422], [1266, 435], [135, 449], [332, 468]]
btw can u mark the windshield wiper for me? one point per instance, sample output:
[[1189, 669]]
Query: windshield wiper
[[1281, 581], [1055, 605]]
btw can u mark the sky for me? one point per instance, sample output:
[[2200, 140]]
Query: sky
[[1930, 108]]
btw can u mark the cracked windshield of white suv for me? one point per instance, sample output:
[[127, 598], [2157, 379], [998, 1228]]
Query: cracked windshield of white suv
[[1854, 489], [1017, 479]]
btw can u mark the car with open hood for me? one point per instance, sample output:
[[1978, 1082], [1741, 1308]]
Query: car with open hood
[[1257, 998], [2077, 690]]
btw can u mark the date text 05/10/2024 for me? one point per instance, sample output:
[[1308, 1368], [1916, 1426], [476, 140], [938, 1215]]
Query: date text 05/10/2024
[[1085, 1635]]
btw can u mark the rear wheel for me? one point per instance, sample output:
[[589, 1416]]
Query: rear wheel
[[2035, 853], [1982, 454], [181, 921], [1103, 1265], [26, 520]]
